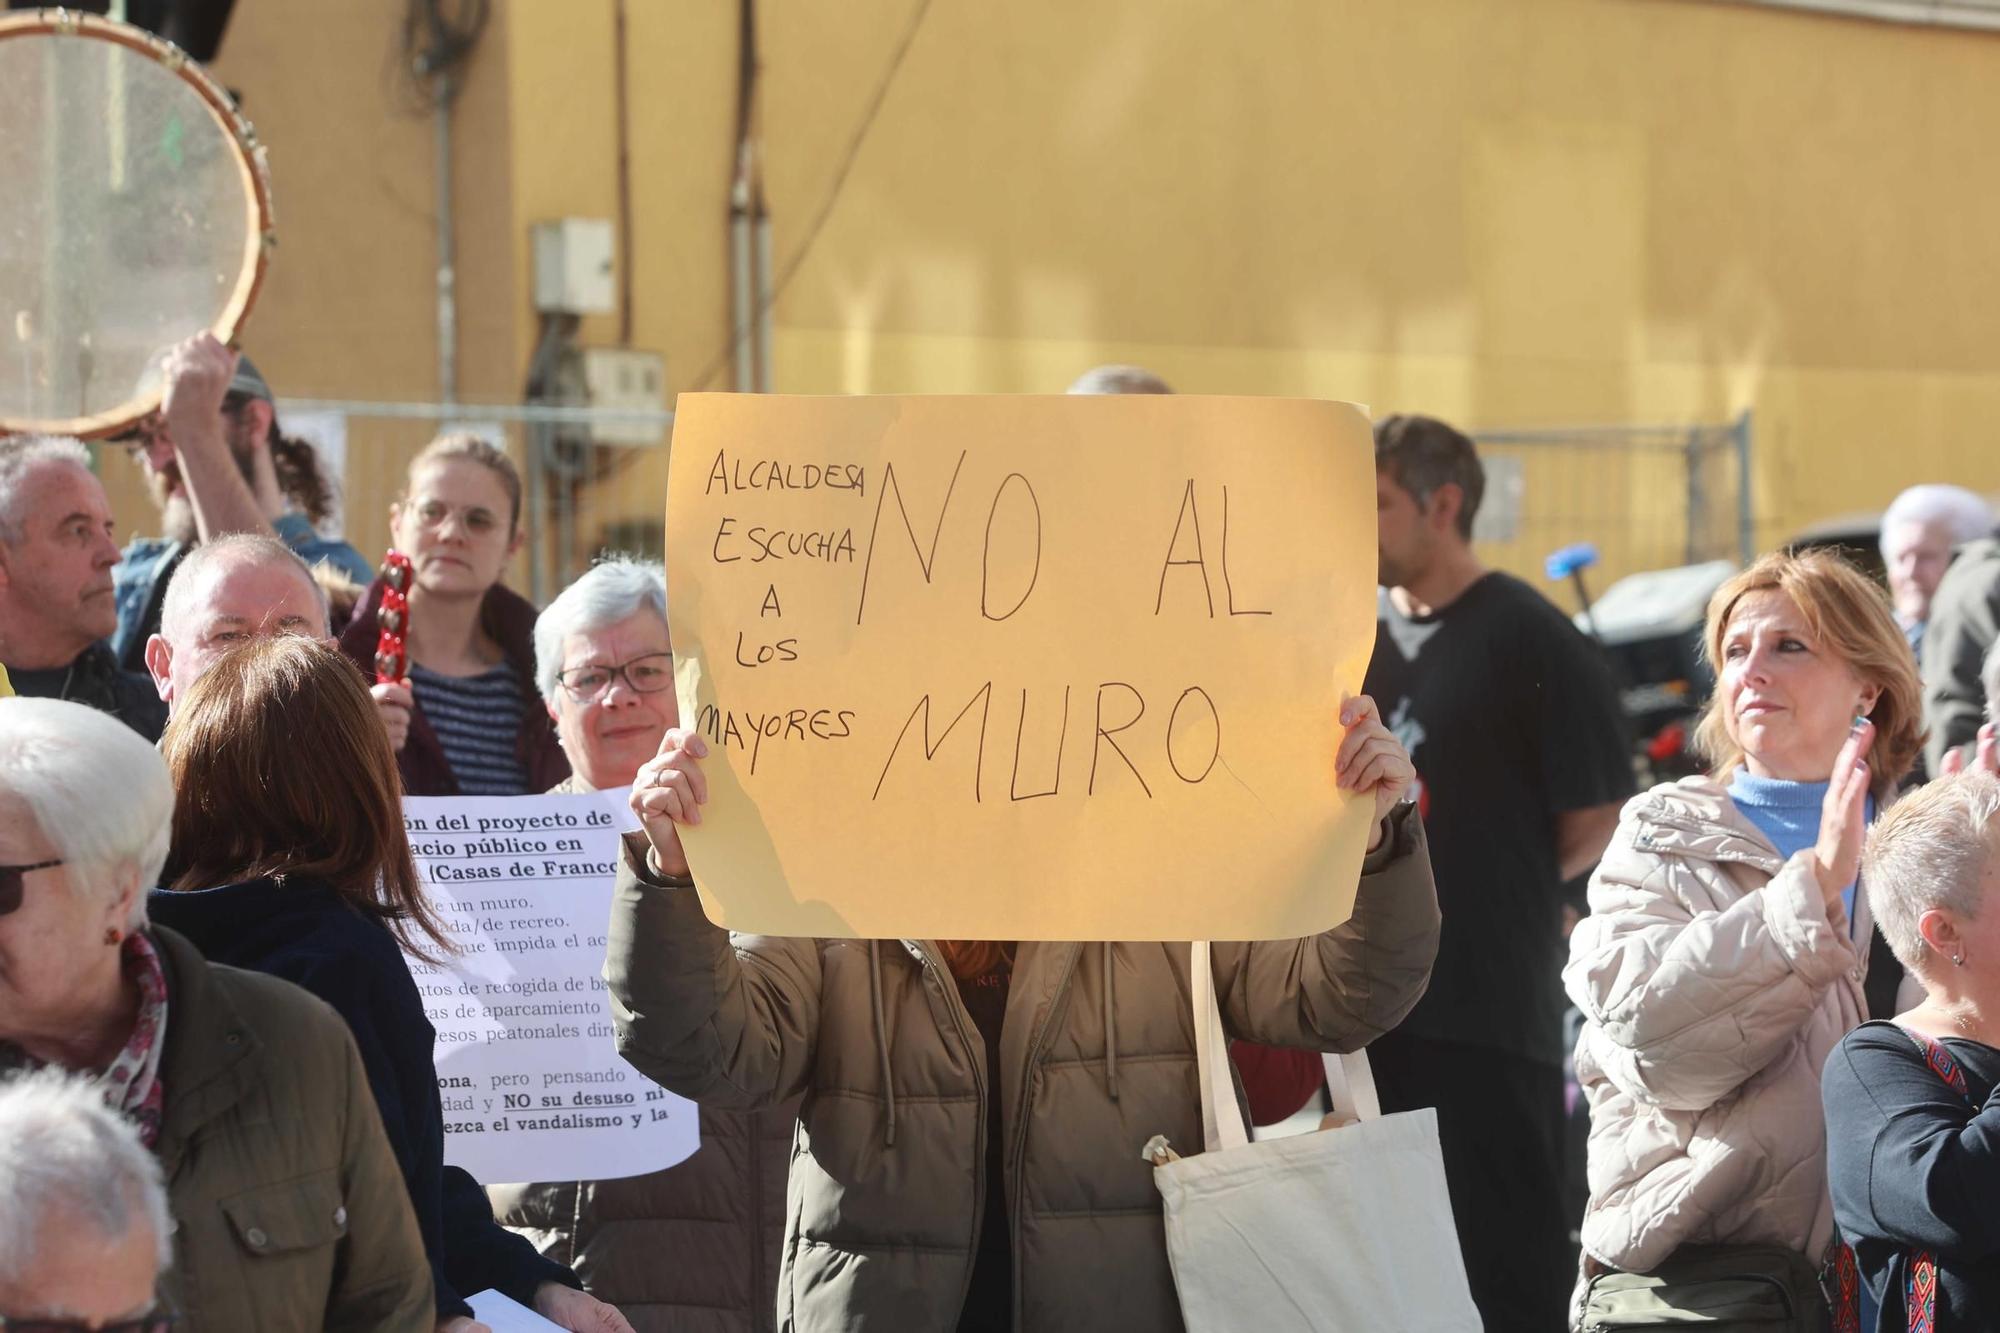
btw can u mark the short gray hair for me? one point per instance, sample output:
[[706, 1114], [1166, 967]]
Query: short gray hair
[[95, 789], [238, 548], [19, 454], [1928, 852], [63, 1151], [616, 587], [1963, 514], [1119, 379]]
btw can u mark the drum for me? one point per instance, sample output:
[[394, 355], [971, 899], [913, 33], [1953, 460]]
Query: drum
[[135, 211]]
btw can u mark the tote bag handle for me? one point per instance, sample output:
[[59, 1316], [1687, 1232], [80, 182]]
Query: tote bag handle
[[1350, 1083], [1221, 1118]]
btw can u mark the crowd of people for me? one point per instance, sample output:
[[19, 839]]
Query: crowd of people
[[218, 1093]]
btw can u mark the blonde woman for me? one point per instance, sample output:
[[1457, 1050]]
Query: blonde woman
[[1726, 948]]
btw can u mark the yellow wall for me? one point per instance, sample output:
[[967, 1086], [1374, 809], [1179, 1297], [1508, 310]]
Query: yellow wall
[[1536, 212], [1505, 212]]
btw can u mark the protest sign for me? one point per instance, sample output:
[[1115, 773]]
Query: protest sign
[[1022, 667], [532, 1082]]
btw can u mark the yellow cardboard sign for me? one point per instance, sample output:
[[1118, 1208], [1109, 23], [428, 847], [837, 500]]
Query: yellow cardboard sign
[[1022, 667]]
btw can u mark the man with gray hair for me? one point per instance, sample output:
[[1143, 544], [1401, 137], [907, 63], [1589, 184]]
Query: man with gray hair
[[1119, 379], [57, 605], [84, 1230], [227, 592], [1920, 530]]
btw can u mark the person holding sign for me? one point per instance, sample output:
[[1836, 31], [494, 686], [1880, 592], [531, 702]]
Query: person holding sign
[[604, 662], [291, 1217], [303, 871], [973, 1113], [466, 721]]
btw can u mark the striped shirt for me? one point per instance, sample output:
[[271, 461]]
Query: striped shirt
[[478, 724]]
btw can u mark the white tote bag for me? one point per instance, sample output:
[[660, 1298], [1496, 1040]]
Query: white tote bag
[[1344, 1230]]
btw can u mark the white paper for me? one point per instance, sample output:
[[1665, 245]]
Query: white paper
[[532, 1083], [505, 1315]]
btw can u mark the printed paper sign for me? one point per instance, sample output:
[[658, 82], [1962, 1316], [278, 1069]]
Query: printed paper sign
[[1022, 667], [533, 1086]]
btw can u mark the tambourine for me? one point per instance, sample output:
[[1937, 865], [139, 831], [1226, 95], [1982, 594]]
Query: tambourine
[[392, 652], [135, 212]]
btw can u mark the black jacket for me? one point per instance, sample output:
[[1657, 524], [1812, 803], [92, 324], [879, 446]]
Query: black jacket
[[94, 679], [1915, 1166], [304, 932]]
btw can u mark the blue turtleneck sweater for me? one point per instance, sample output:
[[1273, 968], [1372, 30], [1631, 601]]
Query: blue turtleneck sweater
[[1788, 814]]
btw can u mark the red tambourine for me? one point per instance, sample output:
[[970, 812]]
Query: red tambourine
[[392, 653]]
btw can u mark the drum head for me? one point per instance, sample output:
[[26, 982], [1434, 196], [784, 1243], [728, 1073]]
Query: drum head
[[134, 212]]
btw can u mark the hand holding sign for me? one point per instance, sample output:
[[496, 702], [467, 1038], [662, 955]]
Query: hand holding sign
[[670, 790], [1022, 668]]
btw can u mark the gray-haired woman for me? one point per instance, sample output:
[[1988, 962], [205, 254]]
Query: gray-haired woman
[[1913, 1126], [291, 1212], [604, 664]]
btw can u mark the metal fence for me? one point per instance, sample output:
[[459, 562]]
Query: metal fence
[[1647, 497]]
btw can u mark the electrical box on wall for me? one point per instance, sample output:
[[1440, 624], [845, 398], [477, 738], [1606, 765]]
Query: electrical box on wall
[[621, 379], [573, 267]]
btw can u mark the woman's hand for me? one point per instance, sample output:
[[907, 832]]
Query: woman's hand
[[670, 791], [1843, 816], [393, 704], [1371, 759], [460, 1323], [1985, 755], [578, 1311]]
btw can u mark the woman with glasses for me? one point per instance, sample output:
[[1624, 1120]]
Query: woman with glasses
[[605, 665], [465, 720], [290, 1214]]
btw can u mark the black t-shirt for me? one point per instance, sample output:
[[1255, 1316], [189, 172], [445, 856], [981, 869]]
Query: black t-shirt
[[1913, 1166], [1511, 718], [94, 679], [989, 1298]]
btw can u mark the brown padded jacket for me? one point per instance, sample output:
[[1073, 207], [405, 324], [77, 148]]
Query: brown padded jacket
[[1097, 1056], [691, 1249], [290, 1209]]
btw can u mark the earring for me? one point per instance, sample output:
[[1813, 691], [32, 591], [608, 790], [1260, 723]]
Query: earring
[[113, 935], [1958, 959]]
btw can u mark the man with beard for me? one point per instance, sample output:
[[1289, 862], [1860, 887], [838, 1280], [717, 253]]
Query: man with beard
[[209, 455], [1519, 742], [56, 603]]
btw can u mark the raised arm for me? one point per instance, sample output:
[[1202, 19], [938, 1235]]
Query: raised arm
[[198, 373], [1339, 990], [723, 1021]]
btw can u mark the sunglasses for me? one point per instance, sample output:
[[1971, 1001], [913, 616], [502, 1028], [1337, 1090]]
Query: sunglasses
[[155, 1322], [11, 878]]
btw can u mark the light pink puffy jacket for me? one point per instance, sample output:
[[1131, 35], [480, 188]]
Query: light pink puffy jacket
[[1714, 982]]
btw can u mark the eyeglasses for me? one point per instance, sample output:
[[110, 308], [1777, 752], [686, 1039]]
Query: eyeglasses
[[156, 1322], [475, 519], [11, 878], [648, 675]]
